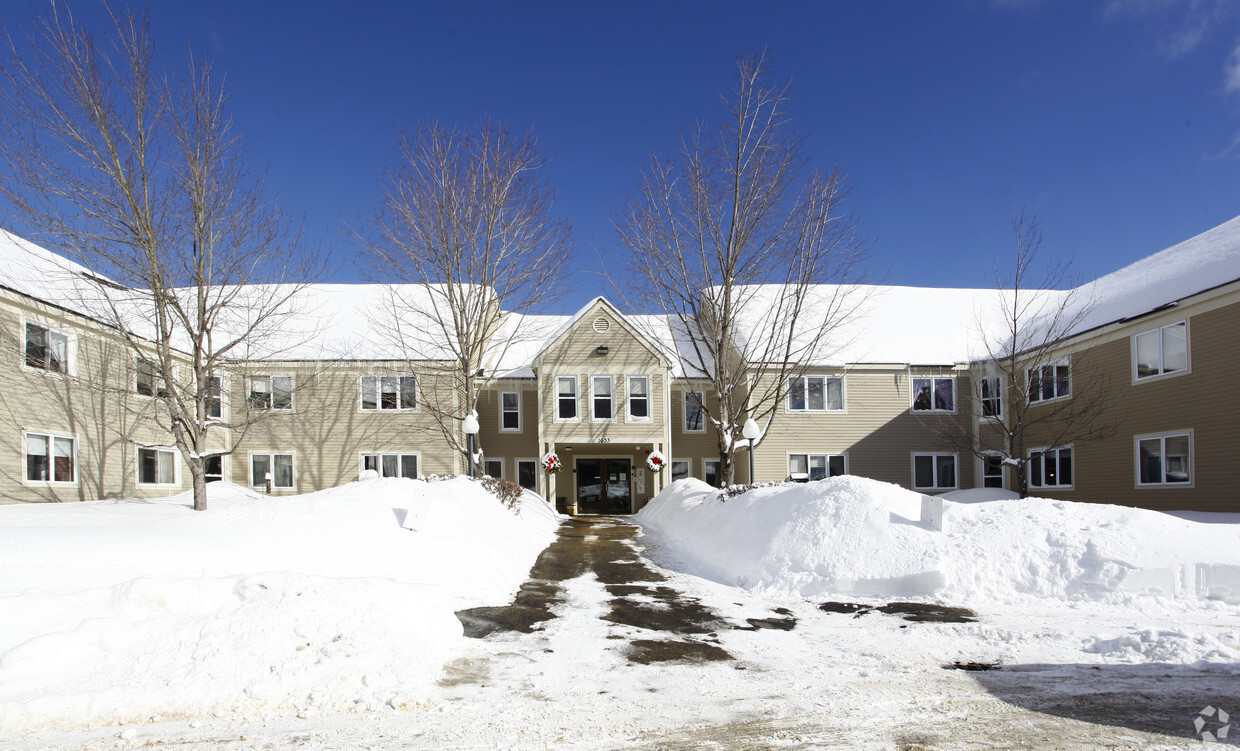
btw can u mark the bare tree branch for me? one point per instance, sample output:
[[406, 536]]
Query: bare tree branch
[[738, 236], [137, 175], [466, 221]]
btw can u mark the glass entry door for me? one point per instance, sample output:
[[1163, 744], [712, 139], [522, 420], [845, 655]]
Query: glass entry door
[[603, 486]]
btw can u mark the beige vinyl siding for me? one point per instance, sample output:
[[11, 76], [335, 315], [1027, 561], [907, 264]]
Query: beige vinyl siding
[[327, 430], [1203, 401], [96, 404], [507, 444], [576, 354], [693, 446], [877, 431]]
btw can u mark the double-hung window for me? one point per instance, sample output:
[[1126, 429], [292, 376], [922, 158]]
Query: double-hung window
[[991, 396], [1165, 459], [695, 412], [1161, 351], [1051, 468], [157, 466], [510, 411], [150, 382], [566, 397], [389, 393], [934, 394], [51, 458], [600, 393], [934, 471], [46, 349], [278, 466], [392, 464], [815, 466], [271, 392], [639, 398], [992, 471], [1048, 382], [816, 394], [215, 397]]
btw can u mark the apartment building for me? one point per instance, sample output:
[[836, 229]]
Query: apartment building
[[603, 390]]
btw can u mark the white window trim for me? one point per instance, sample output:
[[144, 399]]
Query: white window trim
[[705, 464], [70, 348], [159, 378], [628, 399], [176, 467], [223, 465], [808, 455], [936, 454], [502, 466], [684, 411], [520, 426], [1188, 353], [825, 399], [1058, 397], [671, 465], [576, 399], [271, 455], [1192, 459], [379, 393], [1043, 450], [516, 463], [912, 394], [361, 460], [51, 455], [980, 481], [611, 380], [223, 399], [1001, 397], [292, 394]]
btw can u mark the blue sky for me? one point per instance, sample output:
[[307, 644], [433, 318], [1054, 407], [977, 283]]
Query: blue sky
[[1116, 123]]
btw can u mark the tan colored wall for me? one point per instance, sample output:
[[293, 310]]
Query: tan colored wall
[[1202, 400], [576, 354], [96, 404], [508, 445], [877, 432], [327, 431]]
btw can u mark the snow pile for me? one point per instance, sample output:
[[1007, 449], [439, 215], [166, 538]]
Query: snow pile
[[851, 535], [119, 611]]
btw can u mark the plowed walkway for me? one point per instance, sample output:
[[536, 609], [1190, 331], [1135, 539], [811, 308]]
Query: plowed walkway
[[679, 627]]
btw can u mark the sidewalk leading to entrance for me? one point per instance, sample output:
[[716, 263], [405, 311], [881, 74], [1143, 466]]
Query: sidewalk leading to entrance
[[680, 626]]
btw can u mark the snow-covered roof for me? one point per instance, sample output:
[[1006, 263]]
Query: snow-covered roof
[[1200, 263], [875, 323]]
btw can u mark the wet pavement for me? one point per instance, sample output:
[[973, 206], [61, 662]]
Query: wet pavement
[[679, 627]]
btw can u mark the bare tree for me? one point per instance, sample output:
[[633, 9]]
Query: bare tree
[[137, 174], [1027, 383], [465, 237], [743, 246]]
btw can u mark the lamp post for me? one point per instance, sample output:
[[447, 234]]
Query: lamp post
[[752, 432], [471, 429]]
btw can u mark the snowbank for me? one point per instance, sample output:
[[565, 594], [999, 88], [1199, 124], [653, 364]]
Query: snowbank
[[118, 611], [850, 535]]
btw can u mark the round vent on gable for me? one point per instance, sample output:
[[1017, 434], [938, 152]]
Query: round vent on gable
[[601, 324]]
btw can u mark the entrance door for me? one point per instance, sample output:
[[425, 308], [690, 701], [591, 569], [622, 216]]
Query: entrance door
[[603, 486]]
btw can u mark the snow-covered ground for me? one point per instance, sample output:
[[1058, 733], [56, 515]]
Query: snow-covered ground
[[117, 611], [318, 621]]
